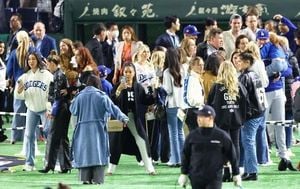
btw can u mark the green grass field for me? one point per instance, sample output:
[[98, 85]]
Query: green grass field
[[130, 175]]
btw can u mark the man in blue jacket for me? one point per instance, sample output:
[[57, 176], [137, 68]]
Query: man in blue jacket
[[42, 42], [169, 38]]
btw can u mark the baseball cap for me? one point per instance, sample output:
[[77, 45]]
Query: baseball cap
[[206, 111], [191, 30], [262, 34], [103, 70]]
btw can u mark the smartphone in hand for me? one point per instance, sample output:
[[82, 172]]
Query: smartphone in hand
[[123, 79]]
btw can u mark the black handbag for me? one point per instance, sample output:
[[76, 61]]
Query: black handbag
[[160, 111]]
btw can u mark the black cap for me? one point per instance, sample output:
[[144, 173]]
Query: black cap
[[206, 111]]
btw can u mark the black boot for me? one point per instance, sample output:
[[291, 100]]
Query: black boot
[[46, 170], [282, 164], [249, 177], [290, 166], [65, 171]]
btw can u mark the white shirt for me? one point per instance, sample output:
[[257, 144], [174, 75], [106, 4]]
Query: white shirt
[[145, 75], [249, 33], [36, 89], [194, 90], [174, 94], [228, 43]]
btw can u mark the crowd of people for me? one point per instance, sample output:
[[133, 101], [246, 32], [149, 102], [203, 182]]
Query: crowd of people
[[229, 84]]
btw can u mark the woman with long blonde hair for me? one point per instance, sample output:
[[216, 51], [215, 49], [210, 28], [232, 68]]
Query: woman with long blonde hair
[[228, 98], [187, 51], [16, 66], [227, 77], [145, 73]]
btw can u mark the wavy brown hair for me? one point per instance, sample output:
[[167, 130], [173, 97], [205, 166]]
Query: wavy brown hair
[[132, 32], [87, 62]]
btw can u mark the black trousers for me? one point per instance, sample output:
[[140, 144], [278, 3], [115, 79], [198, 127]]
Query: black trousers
[[198, 183], [58, 141], [235, 137]]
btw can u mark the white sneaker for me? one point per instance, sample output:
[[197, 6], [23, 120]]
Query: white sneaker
[[141, 163], [242, 170], [28, 168], [155, 162], [111, 168]]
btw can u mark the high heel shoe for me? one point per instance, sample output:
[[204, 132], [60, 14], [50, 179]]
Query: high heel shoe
[[64, 171], [46, 170]]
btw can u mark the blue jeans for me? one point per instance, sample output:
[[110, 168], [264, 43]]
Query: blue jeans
[[175, 127], [47, 127], [262, 148], [18, 120], [32, 120], [249, 143]]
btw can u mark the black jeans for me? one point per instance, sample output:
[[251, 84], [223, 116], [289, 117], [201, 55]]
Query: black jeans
[[198, 183], [235, 137]]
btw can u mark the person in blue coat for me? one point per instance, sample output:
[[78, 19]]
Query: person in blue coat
[[90, 144]]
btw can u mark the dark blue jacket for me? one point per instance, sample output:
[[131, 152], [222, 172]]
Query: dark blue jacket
[[48, 44], [166, 41]]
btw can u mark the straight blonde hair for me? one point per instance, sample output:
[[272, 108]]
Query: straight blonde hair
[[228, 77], [23, 48], [254, 49]]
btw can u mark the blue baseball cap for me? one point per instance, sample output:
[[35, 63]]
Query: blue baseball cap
[[262, 34], [103, 70], [190, 30]]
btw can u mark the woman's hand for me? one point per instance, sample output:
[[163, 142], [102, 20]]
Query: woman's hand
[[121, 87], [114, 80], [49, 115], [20, 87]]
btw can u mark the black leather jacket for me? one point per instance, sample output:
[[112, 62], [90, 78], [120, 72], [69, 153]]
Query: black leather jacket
[[256, 93]]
